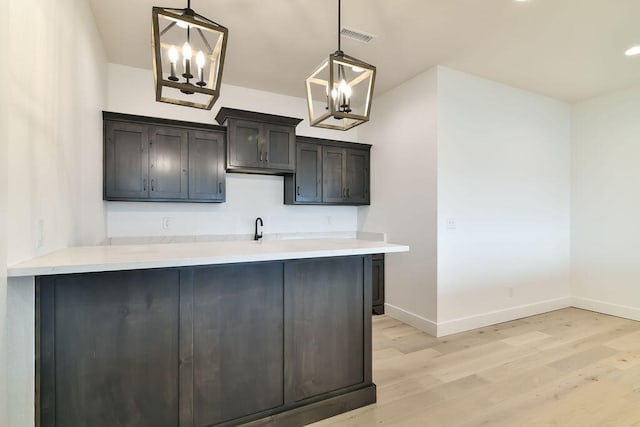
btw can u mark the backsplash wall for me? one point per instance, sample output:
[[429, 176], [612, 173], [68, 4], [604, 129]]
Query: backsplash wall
[[248, 197], [130, 91]]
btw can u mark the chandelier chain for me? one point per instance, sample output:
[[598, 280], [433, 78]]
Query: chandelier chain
[[339, 22]]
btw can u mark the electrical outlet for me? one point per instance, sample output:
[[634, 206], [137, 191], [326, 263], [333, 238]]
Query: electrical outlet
[[451, 223], [512, 292], [166, 223], [39, 233]]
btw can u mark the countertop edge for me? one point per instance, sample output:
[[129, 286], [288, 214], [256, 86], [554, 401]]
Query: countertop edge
[[169, 262]]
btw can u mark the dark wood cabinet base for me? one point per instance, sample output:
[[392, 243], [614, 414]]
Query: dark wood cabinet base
[[377, 283], [316, 411], [266, 343]]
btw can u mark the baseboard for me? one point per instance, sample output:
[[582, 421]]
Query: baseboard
[[604, 307], [491, 318], [455, 326], [412, 319]]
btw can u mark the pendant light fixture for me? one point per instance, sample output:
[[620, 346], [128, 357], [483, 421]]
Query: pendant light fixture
[[339, 91], [188, 57]]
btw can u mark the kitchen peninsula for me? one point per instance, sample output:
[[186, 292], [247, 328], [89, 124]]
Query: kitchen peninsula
[[274, 332]]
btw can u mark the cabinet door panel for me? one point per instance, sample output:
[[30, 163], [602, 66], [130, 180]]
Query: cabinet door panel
[[324, 355], [116, 349], [126, 160], [237, 341], [280, 147], [168, 163], [244, 144], [309, 173], [333, 181], [377, 284], [357, 176], [206, 166]]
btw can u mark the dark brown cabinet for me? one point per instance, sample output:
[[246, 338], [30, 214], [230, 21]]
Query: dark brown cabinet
[[206, 166], [288, 342], [329, 172], [148, 159], [168, 163], [308, 177], [259, 143], [126, 163], [377, 283]]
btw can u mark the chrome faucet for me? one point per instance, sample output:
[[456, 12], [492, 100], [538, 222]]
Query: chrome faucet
[[257, 236]]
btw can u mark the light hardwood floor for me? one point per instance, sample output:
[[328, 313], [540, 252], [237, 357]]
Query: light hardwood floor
[[565, 368]]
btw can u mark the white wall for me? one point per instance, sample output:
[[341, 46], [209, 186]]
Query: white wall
[[504, 184], [55, 143], [403, 195], [4, 85], [606, 204], [131, 90], [56, 67]]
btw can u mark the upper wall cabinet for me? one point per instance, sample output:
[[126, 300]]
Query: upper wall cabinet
[[329, 173], [147, 159], [259, 143]]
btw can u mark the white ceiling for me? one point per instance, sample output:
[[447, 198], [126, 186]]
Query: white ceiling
[[567, 49]]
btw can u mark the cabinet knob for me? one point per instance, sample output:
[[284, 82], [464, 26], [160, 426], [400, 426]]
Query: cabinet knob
[[298, 190], [261, 156]]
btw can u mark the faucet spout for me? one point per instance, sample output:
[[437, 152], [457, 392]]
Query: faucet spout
[[256, 235]]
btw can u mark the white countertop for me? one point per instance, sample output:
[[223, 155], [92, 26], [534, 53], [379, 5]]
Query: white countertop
[[85, 259]]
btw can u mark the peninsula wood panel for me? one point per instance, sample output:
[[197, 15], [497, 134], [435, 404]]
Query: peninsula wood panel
[[114, 360], [278, 342], [237, 341], [328, 355]]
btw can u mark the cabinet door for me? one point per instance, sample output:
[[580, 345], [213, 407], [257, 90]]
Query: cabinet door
[[377, 283], [168, 163], [324, 355], [308, 178], [245, 145], [357, 176], [238, 341], [109, 349], [126, 161], [279, 147], [333, 175], [206, 166]]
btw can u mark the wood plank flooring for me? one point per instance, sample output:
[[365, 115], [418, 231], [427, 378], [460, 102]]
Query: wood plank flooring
[[569, 367]]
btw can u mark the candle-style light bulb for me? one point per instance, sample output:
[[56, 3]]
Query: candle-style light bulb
[[345, 92], [173, 58], [186, 51], [200, 61], [173, 54], [186, 58], [326, 91], [335, 101]]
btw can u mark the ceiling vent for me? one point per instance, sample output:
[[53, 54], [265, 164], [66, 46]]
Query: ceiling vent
[[356, 35]]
